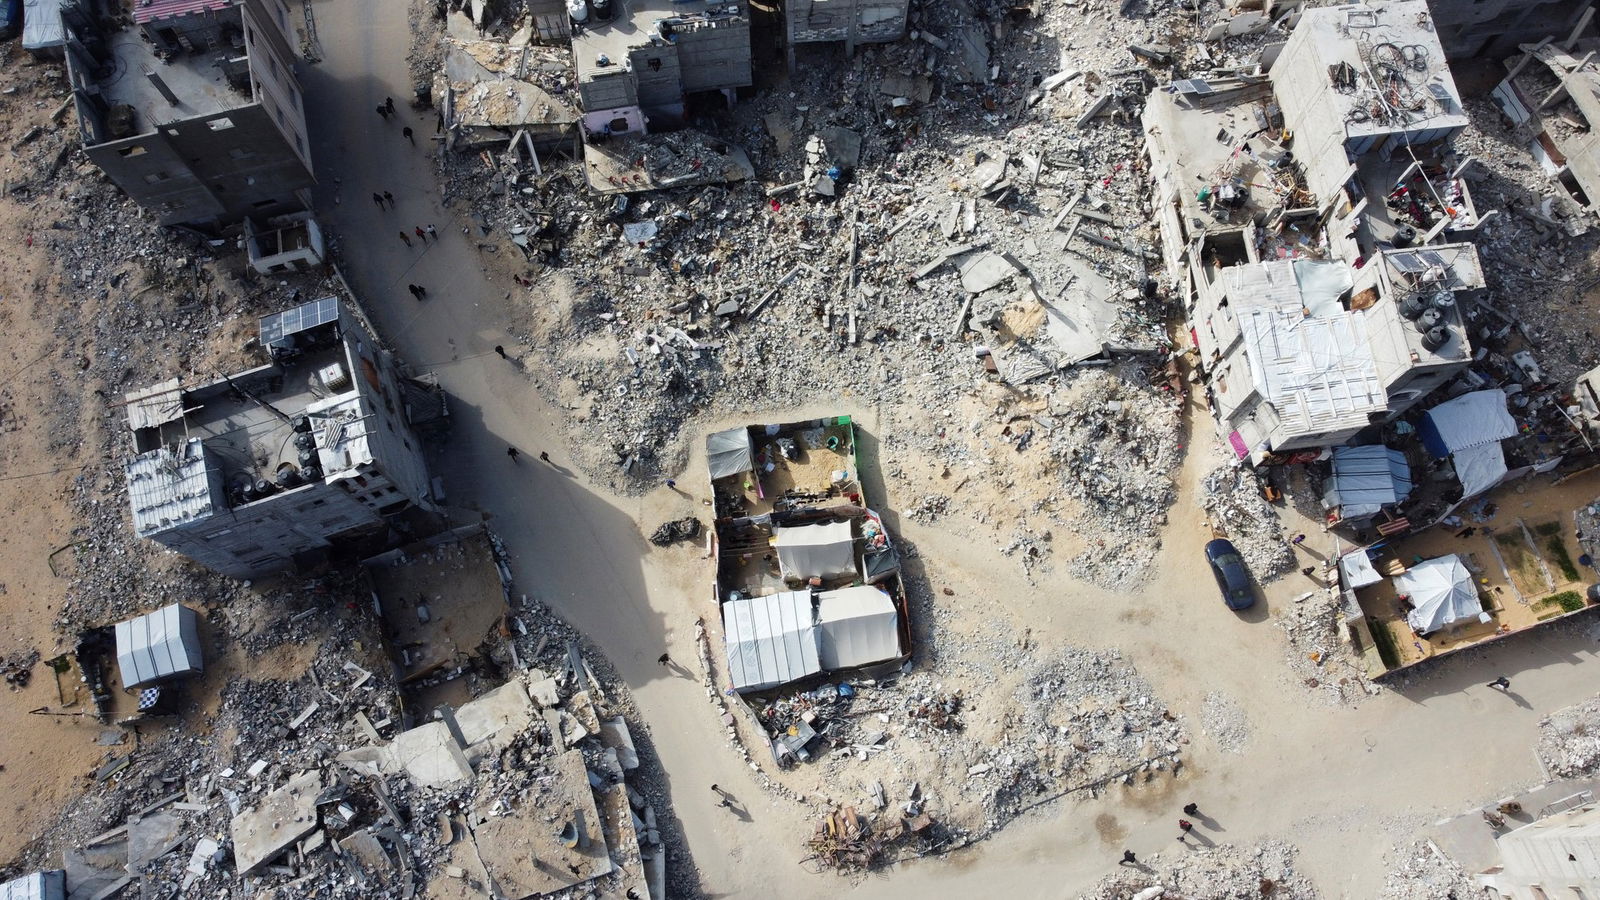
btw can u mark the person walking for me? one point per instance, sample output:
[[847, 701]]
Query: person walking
[[501, 351], [433, 233], [405, 237], [663, 659], [1298, 540], [421, 235], [378, 199], [513, 453], [407, 132], [1129, 858], [1185, 825], [388, 104], [671, 484], [1503, 683], [388, 197], [384, 112], [1191, 809], [544, 456]]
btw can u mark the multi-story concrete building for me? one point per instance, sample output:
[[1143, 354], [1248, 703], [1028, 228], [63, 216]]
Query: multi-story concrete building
[[635, 70], [307, 456], [1302, 216], [851, 21], [195, 111], [1554, 857]]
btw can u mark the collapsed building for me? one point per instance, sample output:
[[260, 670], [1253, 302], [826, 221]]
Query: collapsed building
[[1553, 108], [310, 454], [807, 578], [196, 111], [1490, 28], [1301, 212], [850, 21]]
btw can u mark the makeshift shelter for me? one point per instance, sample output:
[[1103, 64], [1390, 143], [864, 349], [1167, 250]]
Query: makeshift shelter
[[1442, 593], [859, 627], [810, 551], [771, 640], [42, 32], [51, 885], [159, 646], [1357, 571], [1365, 479], [730, 453], [1470, 420], [1479, 468]]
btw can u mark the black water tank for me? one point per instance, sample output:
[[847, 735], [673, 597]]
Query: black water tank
[[1435, 337]]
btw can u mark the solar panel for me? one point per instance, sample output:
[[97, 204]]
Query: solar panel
[[302, 318]]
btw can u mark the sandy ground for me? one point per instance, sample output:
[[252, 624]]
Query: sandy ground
[[1343, 783]]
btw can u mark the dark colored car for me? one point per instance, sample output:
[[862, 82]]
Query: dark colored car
[[1232, 577]]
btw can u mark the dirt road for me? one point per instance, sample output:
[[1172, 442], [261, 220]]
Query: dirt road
[[1343, 784]]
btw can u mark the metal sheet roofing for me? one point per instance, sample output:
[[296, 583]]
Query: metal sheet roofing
[[150, 10], [167, 488], [159, 645], [771, 640], [41, 30]]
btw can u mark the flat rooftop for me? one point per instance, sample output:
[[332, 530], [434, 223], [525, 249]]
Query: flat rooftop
[[1402, 193], [197, 80], [633, 25], [1390, 57]]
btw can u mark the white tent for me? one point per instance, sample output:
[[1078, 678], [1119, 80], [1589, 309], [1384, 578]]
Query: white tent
[[159, 645], [729, 453], [1443, 592], [859, 627], [1479, 468], [51, 885], [771, 640], [1357, 571], [806, 551]]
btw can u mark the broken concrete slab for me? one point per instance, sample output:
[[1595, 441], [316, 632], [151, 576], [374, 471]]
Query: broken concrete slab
[[614, 734], [429, 756], [581, 705], [368, 852], [983, 271], [285, 816], [491, 722], [152, 837], [551, 840]]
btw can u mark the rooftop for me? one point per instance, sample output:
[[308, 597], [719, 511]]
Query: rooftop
[[151, 10], [198, 81], [1387, 61], [637, 23]]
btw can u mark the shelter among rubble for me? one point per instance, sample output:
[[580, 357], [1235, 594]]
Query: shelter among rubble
[[1365, 480], [159, 646], [282, 465], [635, 69], [1555, 106], [807, 580], [195, 112], [1441, 593]]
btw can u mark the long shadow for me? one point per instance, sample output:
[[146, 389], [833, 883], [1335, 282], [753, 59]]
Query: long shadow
[[1567, 643], [569, 547]]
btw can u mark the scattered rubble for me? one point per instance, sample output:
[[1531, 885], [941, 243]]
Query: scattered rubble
[[1419, 871], [1225, 721], [1238, 510], [1569, 740], [1223, 872]]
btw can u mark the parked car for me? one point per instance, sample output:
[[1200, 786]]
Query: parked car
[[1232, 577]]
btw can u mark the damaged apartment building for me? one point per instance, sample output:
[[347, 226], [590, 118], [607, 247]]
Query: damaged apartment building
[[193, 108], [311, 455], [1306, 212], [1551, 99]]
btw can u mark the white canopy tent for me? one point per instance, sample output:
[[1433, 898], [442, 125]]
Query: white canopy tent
[[1442, 592], [729, 453], [859, 627], [808, 551], [771, 640], [1479, 468], [158, 646]]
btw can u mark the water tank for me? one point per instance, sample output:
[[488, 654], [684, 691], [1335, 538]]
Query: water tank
[[1435, 337], [1428, 319], [578, 10], [1444, 301], [1405, 236], [1412, 306], [288, 476]]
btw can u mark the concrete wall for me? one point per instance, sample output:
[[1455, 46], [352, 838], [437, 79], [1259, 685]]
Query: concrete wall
[[657, 77], [396, 451], [715, 58], [1494, 28], [851, 21]]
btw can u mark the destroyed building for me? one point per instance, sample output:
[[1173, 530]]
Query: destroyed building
[[492, 93], [308, 455], [1299, 213], [851, 21], [1552, 107], [1491, 28], [1556, 855], [195, 111], [807, 577], [636, 69]]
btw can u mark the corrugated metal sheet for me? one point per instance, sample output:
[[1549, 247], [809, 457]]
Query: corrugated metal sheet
[[167, 489], [154, 406], [771, 640], [159, 645], [42, 29], [150, 10]]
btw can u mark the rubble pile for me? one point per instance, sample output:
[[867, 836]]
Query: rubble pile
[[1569, 740], [1418, 871], [1235, 506], [1225, 721], [1317, 651], [1223, 872]]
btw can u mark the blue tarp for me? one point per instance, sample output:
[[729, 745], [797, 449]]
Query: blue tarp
[[1365, 479], [1470, 420]]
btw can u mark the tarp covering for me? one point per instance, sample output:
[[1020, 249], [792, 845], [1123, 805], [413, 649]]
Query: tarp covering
[[1470, 420], [771, 640], [1357, 570], [159, 645], [50, 885], [807, 551], [1442, 591], [859, 627], [41, 30], [730, 453], [1365, 479], [1479, 468]]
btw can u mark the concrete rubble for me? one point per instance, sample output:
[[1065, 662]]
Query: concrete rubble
[[1569, 741], [1222, 872], [1419, 871]]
